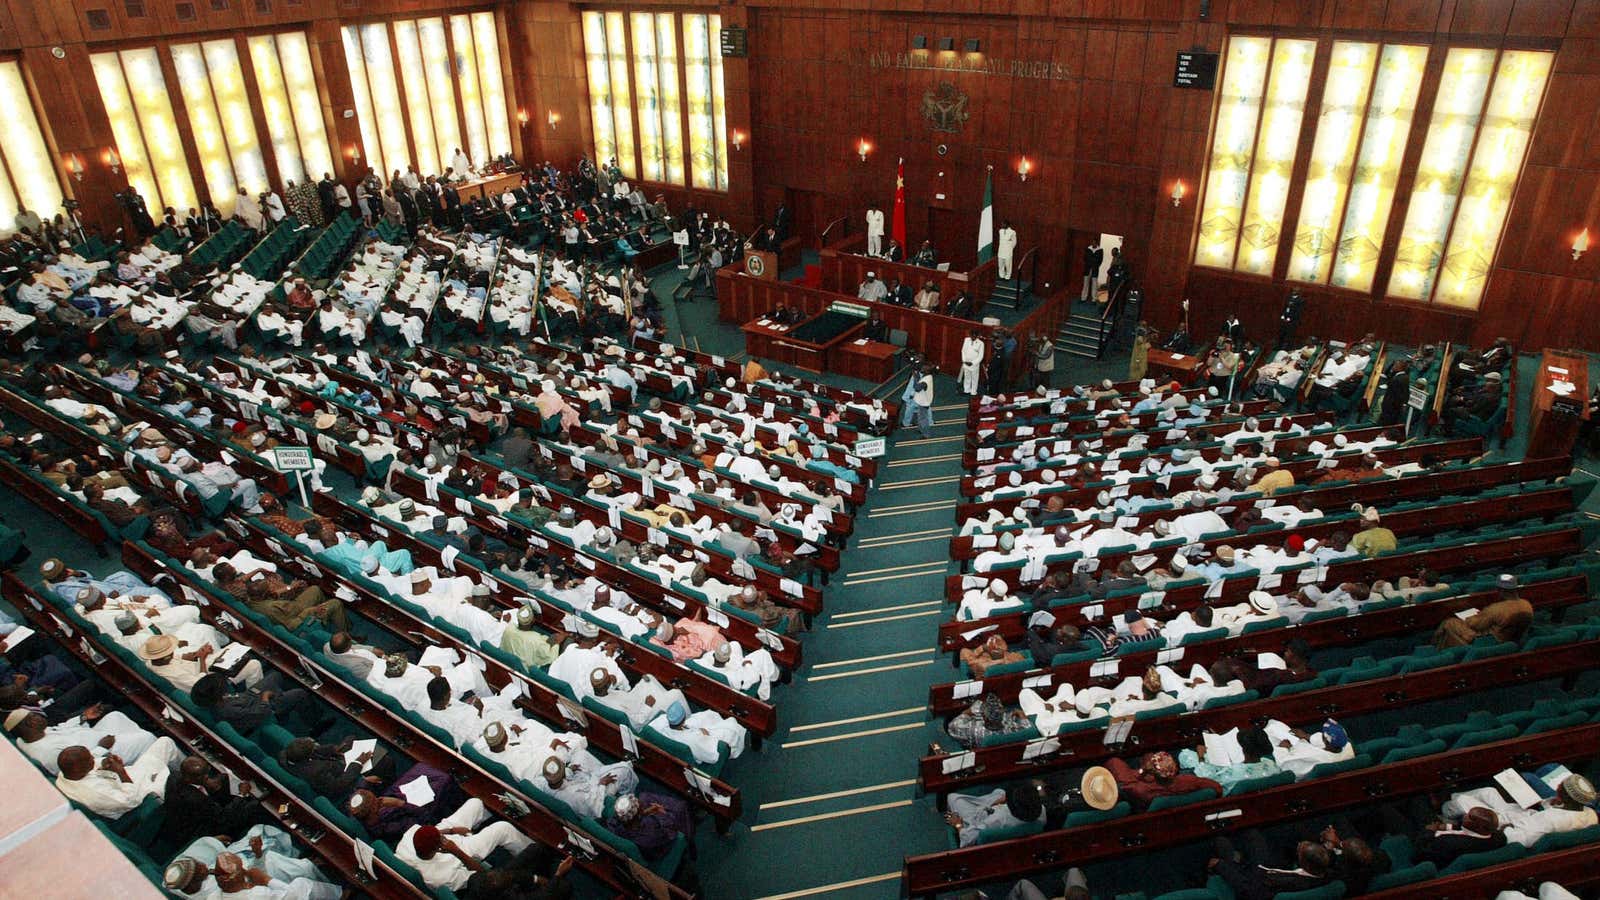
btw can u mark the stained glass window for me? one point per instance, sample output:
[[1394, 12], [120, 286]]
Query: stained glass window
[[441, 89], [1277, 143], [1377, 167], [1496, 161], [702, 60], [676, 90], [1232, 149], [136, 100], [290, 104], [27, 172], [486, 47], [1457, 110], [655, 69], [1482, 118]]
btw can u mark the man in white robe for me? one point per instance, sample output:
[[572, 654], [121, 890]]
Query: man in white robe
[[110, 788]]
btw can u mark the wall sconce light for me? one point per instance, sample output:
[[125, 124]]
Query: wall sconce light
[[1580, 244], [552, 118], [738, 139], [863, 147], [919, 42], [1024, 167], [109, 157], [353, 152], [522, 117], [971, 45], [1177, 193], [75, 166], [947, 43]]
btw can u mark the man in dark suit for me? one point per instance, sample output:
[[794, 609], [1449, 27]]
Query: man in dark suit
[[408, 210], [516, 449], [1093, 256], [1252, 879], [452, 205], [198, 801], [780, 222], [327, 197]]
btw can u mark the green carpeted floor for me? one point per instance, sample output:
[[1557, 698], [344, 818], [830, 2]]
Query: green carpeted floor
[[831, 801]]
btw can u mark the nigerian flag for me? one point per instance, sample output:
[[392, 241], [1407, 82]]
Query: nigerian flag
[[986, 221]]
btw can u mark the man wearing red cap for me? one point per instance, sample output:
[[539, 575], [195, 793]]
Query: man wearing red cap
[[1157, 776], [447, 854]]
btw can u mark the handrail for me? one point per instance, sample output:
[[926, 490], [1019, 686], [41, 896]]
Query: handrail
[[1030, 258], [822, 238]]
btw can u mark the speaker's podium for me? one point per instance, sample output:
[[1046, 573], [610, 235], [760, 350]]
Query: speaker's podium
[[1560, 404], [761, 264]]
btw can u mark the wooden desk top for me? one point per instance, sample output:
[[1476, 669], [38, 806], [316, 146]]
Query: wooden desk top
[[1557, 366], [1183, 362]]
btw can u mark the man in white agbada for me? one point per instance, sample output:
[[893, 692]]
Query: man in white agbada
[[641, 703], [585, 789], [746, 671], [1298, 752], [43, 742], [983, 601], [581, 657], [1571, 809], [108, 787], [704, 732], [972, 348], [437, 855]]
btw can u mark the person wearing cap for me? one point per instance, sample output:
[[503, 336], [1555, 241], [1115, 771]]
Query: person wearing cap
[[706, 733], [1568, 804], [108, 787], [1298, 751], [641, 703], [983, 718], [524, 640], [1506, 619], [1157, 775], [770, 615], [388, 815], [986, 598], [446, 855], [1273, 478], [1002, 808], [584, 786], [119, 586], [1228, 759], [582, 654], [653, 822], [272, 853], [871, 289], [43, 742], [751, 671], [690, 637], [992, 652], [1441, 841]]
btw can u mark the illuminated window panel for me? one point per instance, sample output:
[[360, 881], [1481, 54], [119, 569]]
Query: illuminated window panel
[[1496, 161], [1344, 103], [275, 108], [190, 64], [671, 96], [1277, 144], [384, 88], [700, 59], [617, 56], [365, 117], [1457, 110], [719, 105], [136, 100], [294, 54], [415, 79], [233, 105], [1232, 149], [647, 88], [602, 103], [497, 122], [1377, 168], [27, 172], [466, 66], [441, 90]]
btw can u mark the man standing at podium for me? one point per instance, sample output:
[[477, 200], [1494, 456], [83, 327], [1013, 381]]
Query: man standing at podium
[[874, 230], [1007, 247]]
